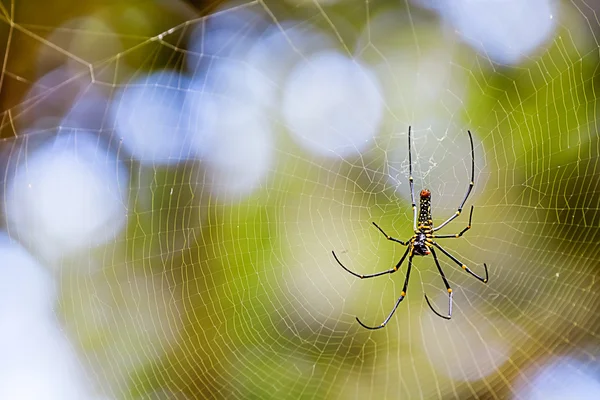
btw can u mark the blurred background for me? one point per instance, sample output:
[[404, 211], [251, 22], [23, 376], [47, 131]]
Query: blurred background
[[175, 176]]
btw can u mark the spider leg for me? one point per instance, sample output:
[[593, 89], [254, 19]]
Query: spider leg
[[463, 266], [402, 296], [471, 184], [389, 237], [457, 235], [437, 263], [389, 271], [411, 183]]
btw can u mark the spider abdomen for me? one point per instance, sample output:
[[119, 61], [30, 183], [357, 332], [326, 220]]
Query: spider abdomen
[[425, 220]]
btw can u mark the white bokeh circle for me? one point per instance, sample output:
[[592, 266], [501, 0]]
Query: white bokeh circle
[[230, 131], [332, 105], [504, 30], [149, 119], [68, 195]]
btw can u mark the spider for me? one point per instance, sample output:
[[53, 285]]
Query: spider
[[422, 243]]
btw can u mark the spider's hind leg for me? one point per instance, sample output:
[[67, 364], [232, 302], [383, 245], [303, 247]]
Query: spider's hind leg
[[388, 237], [469, 189], [456, 235]]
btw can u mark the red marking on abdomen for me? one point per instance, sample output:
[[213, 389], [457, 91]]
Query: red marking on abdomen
[[425, 193]]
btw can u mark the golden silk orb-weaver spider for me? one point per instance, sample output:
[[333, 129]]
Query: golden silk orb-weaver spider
[[422, 243]]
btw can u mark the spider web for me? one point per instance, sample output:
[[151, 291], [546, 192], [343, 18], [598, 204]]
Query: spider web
[[184, 175]]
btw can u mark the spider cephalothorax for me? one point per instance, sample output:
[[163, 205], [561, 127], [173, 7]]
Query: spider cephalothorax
[[422, 242], [420, 245]]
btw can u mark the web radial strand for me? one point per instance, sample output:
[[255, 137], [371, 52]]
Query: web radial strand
[[175, 180]]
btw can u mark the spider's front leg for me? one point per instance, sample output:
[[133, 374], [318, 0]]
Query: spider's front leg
[[389, 271], [439, 267], [463, 266], [402, 296]]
